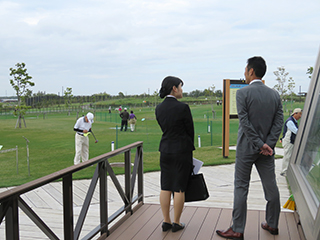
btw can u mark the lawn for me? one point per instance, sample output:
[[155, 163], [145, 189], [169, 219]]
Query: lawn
[[52, 141]]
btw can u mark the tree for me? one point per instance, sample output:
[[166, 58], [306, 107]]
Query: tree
[[218, 93], [68, 97], [310, 71], [21, 83], [291, 86], [210, 91], [121, 95], [195, 93], [282, 88]]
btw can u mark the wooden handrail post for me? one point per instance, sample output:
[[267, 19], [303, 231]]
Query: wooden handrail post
[[140, 174], [67, 207], [12, 220], [103, 198], [127, 175]]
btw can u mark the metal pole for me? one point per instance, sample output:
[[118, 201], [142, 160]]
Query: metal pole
[[116, 136], [17, 160], [27, 154], [28, 158], [147, 131], [211, 131], [208, 122]]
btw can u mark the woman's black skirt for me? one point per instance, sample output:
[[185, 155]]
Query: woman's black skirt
[[175, 171]]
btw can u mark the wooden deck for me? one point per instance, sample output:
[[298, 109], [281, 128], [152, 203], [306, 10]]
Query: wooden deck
[[201, 218], [201, 223]]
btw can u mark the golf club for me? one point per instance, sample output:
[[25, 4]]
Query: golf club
[[94, 137]]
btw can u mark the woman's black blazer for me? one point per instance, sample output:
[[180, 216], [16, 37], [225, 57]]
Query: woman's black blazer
[[176, 123]]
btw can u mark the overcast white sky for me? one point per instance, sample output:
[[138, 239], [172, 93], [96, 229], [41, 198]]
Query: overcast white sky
[[130, 46]]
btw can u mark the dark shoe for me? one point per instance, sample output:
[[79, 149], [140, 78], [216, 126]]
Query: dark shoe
[[273, 231], [230, 234], [166, 226], [177, 227]]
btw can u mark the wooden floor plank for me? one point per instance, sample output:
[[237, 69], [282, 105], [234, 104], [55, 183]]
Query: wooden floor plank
[[283, 228], [54, 192], [224, 222], [264, 235], [157, 232], [252, 225], [186, 217], [154, 224], [46, 196], [137, 224], [127, 223], [36, 199], [292, 227], [209, 224], [86, 184], [195, 224]]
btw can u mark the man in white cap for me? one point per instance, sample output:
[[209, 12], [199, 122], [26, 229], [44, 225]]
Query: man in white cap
[[82, 126], [290, 130]]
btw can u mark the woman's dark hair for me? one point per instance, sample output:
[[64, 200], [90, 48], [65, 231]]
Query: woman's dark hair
[[167, 85], [258, 64], [131, 111]]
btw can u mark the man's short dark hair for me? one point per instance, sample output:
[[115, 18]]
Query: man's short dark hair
[[259, 66]]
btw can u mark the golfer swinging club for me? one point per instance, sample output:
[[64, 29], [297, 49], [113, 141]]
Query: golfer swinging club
[[82, 126]]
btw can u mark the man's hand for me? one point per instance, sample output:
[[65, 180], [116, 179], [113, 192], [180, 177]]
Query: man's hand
[[266, 150], [85, 131]]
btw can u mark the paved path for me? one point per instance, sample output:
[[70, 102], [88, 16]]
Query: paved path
[[46, 201], [219, 181]]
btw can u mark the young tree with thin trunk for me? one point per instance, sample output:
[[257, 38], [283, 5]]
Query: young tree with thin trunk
[[68, 98], [281, 75], [284, 88], [21, 83]]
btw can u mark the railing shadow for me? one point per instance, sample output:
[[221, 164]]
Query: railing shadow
[[11, 200]]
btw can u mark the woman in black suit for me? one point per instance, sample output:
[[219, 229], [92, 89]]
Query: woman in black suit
[[176, 146]]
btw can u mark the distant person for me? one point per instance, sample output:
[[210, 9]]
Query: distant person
[[82, 126], [290, 130], [132, 121], [120, 109], [260, 122], [124, 122], [176, 147], [109, 109]]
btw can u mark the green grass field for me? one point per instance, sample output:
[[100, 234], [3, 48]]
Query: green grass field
[[52, 141]]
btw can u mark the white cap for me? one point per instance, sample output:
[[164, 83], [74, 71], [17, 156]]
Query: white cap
[[125, 108], [296, 110], [90, 117]]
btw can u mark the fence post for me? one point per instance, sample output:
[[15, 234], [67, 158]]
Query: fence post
[[116, 136], [17, 160], [211, 131]]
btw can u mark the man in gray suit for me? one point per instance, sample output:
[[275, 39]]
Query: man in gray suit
[[260, 124]]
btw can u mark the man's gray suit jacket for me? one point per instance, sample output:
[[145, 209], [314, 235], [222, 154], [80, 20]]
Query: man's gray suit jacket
[[260, 118]]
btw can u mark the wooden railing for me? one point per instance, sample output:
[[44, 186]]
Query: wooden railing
[[11, 200]]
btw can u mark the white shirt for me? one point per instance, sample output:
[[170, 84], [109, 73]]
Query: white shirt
[[255, 80], [292, 127], [82, 124]]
